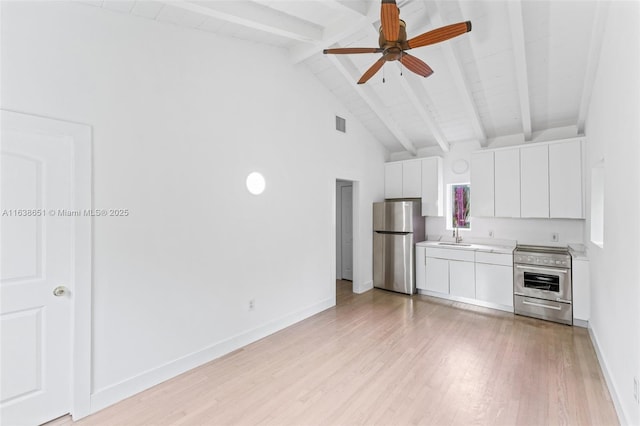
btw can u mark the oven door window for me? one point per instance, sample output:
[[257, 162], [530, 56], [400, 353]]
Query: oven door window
[[539, 281]]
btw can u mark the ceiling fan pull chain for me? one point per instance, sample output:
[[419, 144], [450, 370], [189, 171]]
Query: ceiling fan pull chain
[[383, 74], [401, 52]]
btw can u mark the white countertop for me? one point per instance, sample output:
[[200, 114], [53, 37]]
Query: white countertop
[[578, 251], [504, 248]]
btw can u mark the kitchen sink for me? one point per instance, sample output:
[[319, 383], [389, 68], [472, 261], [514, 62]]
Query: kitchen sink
[[455, 244]]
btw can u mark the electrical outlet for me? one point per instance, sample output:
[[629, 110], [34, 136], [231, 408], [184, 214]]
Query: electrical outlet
[[636, 390], [490, 234], [252, 304], [555, 237]]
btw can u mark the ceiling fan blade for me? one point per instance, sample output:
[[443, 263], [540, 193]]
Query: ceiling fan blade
[[350, 50], [390, 20], [416, 65], [440, 34], [371, 71]]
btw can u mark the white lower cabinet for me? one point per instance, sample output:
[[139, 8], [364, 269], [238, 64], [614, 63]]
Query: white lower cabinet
[[494, 284], [462, 279], [494, 278], [581, 291], [449, 272], [483, 277], [420, 268], [437, 275]]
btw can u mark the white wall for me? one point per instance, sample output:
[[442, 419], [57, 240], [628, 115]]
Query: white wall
[[613, 134], [180, 117], [531, 231]]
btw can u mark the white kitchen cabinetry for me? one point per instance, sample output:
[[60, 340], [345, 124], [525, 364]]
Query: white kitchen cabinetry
[[581, 292], [482, 184], [542, 180], [450, 272], [432, 204], [507, 183], [412, 179], [419, 178], [494, 279], [462, 280], [565, 180], [403, 179], [420, 268], [393, 180], [437, 275], [534, 181], [473, 276]]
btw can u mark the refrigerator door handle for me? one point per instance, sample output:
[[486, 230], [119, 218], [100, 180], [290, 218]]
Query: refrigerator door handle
[[393, 232]]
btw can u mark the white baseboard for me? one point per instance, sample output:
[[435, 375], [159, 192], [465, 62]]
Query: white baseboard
[[110, 395], [364, 287], [466, 300], [580, 323], [607, 377]]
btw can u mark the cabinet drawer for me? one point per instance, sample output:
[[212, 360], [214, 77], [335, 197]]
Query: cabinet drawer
[[453, 254], [494, 258]]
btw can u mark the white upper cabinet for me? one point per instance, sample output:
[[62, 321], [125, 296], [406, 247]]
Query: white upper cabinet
[[403, 179], [412, 179], [482, 184], [542, 180], [393, 180], [507, 183], [565, 180], [432, 204], [534, 181], [419, 178]]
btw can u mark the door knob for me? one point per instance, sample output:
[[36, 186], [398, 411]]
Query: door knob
[[60, 291]]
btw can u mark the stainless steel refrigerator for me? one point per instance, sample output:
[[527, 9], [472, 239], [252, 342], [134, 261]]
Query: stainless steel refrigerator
[[397, 226]]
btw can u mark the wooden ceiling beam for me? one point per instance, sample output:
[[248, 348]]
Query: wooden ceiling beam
[[519, 54], [595, 43], [255, 16], [418, 96], [345, 67], [340, 30], [459, 79]]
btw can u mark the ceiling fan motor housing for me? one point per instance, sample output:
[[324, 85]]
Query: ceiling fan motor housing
[[400, 43]]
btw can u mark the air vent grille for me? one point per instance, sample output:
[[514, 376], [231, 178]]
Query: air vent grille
[[341, 124]]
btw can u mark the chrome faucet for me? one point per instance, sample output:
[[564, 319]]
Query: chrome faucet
[[456, 232]]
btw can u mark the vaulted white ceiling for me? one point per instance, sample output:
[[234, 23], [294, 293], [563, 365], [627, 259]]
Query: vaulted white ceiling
[[526, 67]]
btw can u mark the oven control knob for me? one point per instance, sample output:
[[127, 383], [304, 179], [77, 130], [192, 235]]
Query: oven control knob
[[546, 260]]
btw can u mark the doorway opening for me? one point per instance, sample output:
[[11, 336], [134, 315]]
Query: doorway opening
[[344, 236]]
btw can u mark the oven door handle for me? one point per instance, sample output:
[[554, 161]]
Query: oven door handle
[[535, 268], [540, 305]]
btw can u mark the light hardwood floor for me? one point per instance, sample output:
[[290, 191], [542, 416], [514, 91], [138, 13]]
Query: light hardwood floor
[[384, 358]]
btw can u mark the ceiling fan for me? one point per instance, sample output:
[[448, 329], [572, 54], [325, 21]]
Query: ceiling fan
[[394, 44]]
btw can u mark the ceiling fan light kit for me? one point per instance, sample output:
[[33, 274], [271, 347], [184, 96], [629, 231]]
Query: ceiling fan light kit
[[394, 44]]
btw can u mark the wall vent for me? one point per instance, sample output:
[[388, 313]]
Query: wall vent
[[341, 124]]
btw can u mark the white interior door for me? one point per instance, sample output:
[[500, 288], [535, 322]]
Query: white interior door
[[36, 243], [346, 237]]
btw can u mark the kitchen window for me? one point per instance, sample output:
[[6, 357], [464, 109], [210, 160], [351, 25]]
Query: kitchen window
[[458, 207]]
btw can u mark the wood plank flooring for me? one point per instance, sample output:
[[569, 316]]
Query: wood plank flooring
[[388, 359]]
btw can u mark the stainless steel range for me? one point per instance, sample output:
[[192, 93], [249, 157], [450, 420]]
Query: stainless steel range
[[542, 283]]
